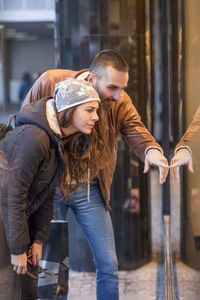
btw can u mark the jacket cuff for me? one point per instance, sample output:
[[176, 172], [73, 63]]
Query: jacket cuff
[[152, 147], [18, 251], [183, 147], [38, 242]]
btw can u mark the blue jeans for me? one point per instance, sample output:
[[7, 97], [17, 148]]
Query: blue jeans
[[95, 221]]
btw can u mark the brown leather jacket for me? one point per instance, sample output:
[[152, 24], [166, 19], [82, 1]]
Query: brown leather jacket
[[121, 118], [191, 138]]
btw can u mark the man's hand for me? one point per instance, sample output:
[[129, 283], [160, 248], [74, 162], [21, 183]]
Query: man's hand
[[36, 251], [20, 263], [182, 157], [156, 158]]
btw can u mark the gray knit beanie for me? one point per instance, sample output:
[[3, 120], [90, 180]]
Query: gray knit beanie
[[72, 92]]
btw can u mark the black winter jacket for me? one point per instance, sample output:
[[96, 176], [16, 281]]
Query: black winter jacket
[[31, 164]]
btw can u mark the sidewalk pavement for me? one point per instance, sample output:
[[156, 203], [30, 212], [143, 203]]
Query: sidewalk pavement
[[145, 283], [139, 284]]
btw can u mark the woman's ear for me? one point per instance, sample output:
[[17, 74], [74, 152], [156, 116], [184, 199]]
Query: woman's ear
[[91, 79]]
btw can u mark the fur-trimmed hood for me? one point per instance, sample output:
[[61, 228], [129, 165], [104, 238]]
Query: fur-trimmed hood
[[41, 114]]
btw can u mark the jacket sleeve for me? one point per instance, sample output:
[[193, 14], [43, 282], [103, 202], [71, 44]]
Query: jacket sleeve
[[28, 151], [192, 135], [44, 86], [39, 221], [131, 126]]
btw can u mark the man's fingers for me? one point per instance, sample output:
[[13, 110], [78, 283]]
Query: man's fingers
[[176, 171], [157, 163], [172, 173], [175, 174], [181, 158], [160, 163], [178, 164], [146, 166], [163, 172], [190, 166]]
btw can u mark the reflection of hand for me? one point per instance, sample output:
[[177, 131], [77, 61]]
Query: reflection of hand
[[36, 253], [20, 263], [155, 157], [182, 157]]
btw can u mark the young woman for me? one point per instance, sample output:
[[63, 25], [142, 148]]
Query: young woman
[[31, 164]]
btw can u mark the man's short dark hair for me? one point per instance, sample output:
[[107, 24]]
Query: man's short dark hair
[[107, 58]]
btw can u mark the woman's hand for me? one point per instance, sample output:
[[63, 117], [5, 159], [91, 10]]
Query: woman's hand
[[20, 263], [36, 252]]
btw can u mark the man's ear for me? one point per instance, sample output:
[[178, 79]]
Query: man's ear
[[91, 79]]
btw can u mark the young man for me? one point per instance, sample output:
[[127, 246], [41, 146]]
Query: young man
[[108, 74]]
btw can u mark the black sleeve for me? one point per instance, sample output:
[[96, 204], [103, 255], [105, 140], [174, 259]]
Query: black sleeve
[[29, 148], [39, 221]]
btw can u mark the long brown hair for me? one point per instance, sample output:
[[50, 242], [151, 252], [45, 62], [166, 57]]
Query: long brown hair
[[82, 152]]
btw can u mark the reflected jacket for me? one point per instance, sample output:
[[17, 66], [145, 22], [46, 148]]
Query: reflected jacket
[[191, 138], [121, 118], [31, 164]]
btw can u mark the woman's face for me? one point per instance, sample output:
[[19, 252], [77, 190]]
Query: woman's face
[[83, 119]]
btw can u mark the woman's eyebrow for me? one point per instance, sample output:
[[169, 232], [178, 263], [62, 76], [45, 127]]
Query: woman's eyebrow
[[91, 106]]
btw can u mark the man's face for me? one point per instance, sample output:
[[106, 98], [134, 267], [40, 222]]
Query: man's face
[[110, 86]]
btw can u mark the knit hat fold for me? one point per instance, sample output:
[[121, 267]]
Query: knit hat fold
[[72, 92]]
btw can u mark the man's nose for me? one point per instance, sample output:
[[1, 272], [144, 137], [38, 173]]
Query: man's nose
[[117, 95]]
